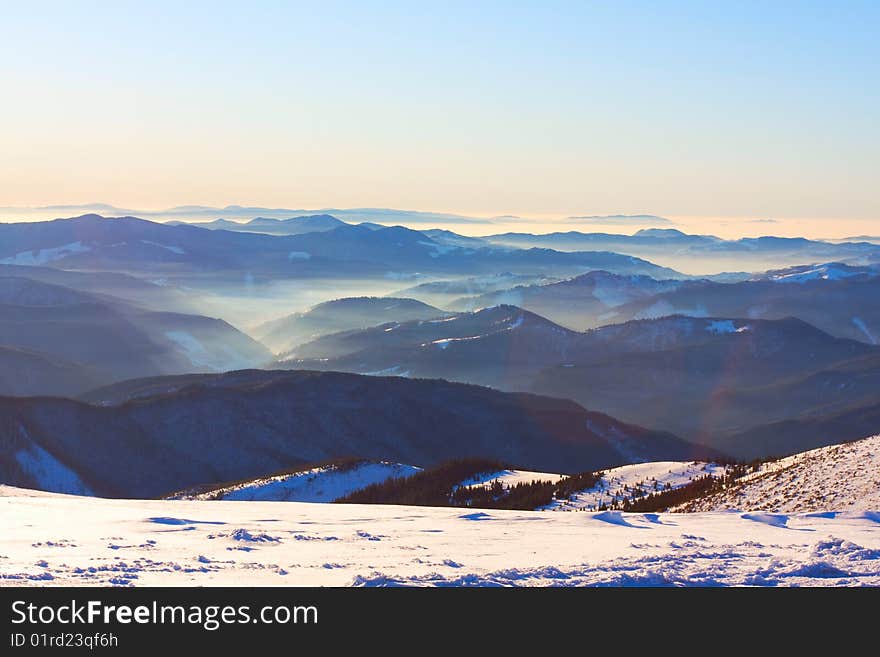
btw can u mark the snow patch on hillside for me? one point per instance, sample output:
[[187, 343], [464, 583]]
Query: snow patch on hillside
[[394, 370], [826, 272], [222, 358], [44, 256], [631, 481], [509, 478], [173, 249], [49, 473], [443, 343], [192, 348], [510, 323], [438, 250], [721, 326], [324, 484], [860, 324]]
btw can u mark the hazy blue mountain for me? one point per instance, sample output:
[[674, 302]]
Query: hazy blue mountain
[[24, 372], [153, 295], [706, 388], [860, 238], [240, 213], [579, 303], [129, 244], [445, 292], [828, 271], [506, 335], [843, 303], [351, 215], [692, 376], [291, 226], [649, 238], [201, 429], [706, 253], [803, 432], [217, 224], [835, 297], [345, 314], [454, 239], [107, 339]]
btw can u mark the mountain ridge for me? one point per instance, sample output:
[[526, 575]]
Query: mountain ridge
[[199, 433]]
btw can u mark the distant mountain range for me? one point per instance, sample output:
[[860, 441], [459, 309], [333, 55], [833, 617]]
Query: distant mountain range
[[332, 248], [844, 306], [752, 363], [835, 297], [239, 212], [153, 295], [670, 238], [177, 252], [829, 271], [582, 302], [702, 378], [293, 226], [179, 432], [859, 238], [706, 252], [446, 293]]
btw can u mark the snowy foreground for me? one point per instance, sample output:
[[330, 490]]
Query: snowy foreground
[[50, 539]]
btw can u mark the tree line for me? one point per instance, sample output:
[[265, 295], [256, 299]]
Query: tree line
[[446, 485]]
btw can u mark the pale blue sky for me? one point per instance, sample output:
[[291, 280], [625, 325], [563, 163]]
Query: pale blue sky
[[764, 109]]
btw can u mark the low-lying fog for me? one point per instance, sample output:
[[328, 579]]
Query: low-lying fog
[[250, 304]]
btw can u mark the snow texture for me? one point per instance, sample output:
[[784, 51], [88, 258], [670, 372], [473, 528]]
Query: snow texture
[[51, 539], [619, 484], [48, 472], [837, 478], [324, 484]]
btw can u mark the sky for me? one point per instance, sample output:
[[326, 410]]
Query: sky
[[740, 114]]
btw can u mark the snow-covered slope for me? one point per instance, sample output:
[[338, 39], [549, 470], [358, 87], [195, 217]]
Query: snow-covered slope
[[630, 481], [840, 477], [837, 478], [322, 484], [509, 478], [62, 540], [829, 271], [48, 472]]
